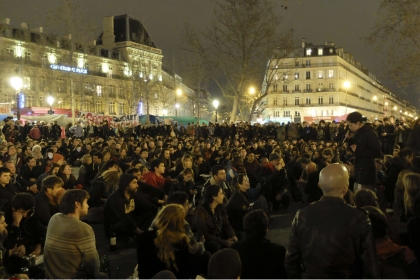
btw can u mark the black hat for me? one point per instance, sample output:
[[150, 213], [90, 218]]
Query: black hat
[[125, 180]]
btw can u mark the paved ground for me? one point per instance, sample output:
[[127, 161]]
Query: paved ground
[[125, 257]]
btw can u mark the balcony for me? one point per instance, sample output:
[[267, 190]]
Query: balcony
[[296, 91], [307, 90]]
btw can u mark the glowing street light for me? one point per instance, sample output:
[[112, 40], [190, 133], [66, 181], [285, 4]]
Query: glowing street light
[[164, 111], [50, 101], [178, 93], [17, 84], [215, 105], [252, 90]]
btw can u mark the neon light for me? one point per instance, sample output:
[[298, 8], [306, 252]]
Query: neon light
[[68, 69]]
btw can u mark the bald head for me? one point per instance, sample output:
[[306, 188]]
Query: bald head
[[334, 180], [310, 167]]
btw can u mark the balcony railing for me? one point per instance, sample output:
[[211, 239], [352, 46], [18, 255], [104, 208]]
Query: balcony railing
[[307, 90], [296, 91]]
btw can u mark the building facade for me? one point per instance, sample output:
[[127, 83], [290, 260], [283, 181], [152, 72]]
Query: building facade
[[119, 73], [323, 82]]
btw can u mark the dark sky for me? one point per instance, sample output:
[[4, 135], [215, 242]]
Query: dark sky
[[344, 22]]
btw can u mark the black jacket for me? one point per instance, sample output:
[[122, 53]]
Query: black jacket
[[331, 239], [6, 195], [44, 210], [261, 259], [368, 148], [236, 209]]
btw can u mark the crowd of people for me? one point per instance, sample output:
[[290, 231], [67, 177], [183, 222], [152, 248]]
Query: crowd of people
[[197, 200]]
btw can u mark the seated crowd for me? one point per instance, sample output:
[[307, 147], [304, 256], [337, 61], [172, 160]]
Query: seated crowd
[[198, 201]]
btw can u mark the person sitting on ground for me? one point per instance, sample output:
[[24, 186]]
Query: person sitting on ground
[[66, 233], [186, 184], [53, 171], [152, 194], [224, 264], [119, 210], [26, 179], [276, 182], [46, 202], [366, 197], [65, 173], [102, 187], [155, 176], [260, 258], [394, 261], [86, 174], [6, 253], [211, 220], [7, 190], [23, 226], [218, 177], [168, 246]]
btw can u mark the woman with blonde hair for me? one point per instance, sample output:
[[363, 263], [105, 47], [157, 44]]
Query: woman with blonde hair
[[167, 247], [36, 152], [186, 162], [412, 191]]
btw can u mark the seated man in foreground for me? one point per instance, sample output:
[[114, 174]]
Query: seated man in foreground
[[70, 247]]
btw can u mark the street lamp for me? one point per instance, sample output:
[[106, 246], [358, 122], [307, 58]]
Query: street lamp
[[17, 84], [164, 111], [346, 86], [179, 93], [216, 104], [50, 101], [252, 90]]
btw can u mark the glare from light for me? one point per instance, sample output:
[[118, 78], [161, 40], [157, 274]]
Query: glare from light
[[346, 84], [50, 100], [216, 103], [16, 83]]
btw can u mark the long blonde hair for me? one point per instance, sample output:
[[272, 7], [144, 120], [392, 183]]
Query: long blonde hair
[[411, 183], [170, 230], [111, 179]]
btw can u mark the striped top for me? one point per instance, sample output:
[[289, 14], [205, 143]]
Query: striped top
[[70, 249]]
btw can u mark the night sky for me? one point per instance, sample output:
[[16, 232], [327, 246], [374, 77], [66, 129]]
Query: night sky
[[344, 22]]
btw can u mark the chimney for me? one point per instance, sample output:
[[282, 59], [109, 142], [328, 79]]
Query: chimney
[[108, 36], [303, 43], [5, 21]]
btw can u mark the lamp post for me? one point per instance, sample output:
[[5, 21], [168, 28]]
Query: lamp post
[[17, 84], [179, 93], [346, 86], [216, 104], [377, 105], [164, 111], [176, 109], [50, 101]]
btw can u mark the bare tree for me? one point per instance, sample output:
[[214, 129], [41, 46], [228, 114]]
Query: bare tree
[[398, 31], [236, 46]]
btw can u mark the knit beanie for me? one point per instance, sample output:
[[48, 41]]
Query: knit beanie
[[124, 181]]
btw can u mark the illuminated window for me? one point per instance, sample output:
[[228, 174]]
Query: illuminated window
[[99, 90], [320, 51], [52, 58], [330, 73], [308, 52], [296, 76], [320, 74], [111, 107]]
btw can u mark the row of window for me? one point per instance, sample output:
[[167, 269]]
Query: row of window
[[29, 101], [308, 100], [286, 114], [319, 74], [308, 87]]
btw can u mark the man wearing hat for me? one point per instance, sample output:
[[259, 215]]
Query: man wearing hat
[[275, 182]]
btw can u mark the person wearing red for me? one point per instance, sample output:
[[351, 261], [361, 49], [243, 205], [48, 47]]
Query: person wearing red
[[155, 176]]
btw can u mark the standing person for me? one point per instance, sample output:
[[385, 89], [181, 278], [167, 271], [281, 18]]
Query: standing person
[[366, 147], [66, 233], [343, 247]]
